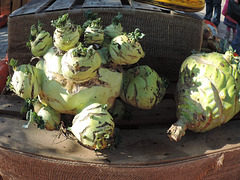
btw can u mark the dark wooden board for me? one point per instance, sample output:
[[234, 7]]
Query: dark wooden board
[[60, 5], [34, 6], [138, 5], [16, 4], [11, 105], [102, 3]]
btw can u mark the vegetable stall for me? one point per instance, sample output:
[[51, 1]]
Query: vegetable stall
[[111, 90]]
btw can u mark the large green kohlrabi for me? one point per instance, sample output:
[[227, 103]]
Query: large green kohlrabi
[[94, 127], [142, 87], [80, 64], [50, 117], [126, 49], [40, 40], [66, 34], [26, 81], [94, 33], [207, 93]]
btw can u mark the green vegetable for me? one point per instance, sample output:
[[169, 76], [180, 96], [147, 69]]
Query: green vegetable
[[118, 110], [94, 33], [207, 93], [126, 49], [69, 97], [52, 61], [32, 118], [80, 73], [40, 40], [66, 35], [142, 87], [50, 117], [90, 17], [94, 127], [80, 64], [25, 81], [114, 29]]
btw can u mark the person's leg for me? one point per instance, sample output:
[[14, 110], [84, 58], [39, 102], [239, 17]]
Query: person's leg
[[228, 32], [209, 10], [236, 42], [234, 34], [217, 12]]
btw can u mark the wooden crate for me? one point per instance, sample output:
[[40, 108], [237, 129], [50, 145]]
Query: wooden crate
[[145, 151]]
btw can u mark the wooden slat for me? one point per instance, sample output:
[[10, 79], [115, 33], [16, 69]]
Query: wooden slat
[[11, 105], [61, 5], [138, 5], [35, 6], [163, 113], [102, 3], [16, 4], [25, 2]]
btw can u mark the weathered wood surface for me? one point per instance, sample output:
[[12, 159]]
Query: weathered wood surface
[[143, 153], [102, 3], [61, 5], [15, 4], [138, 5], [37, 6], [34, 6], [11, 105]]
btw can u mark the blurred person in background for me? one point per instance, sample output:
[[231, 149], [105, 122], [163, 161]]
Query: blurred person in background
[[230, 23], [234, 12], [213, 6]]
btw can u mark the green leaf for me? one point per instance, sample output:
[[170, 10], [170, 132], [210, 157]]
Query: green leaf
[[136, 35], [61, 21], [40, 25], [90, 15], [32, 117], [13, 63], [117, 19], [96, 23], [80, 51], [9, 84], [29, 118], [28, 105]]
